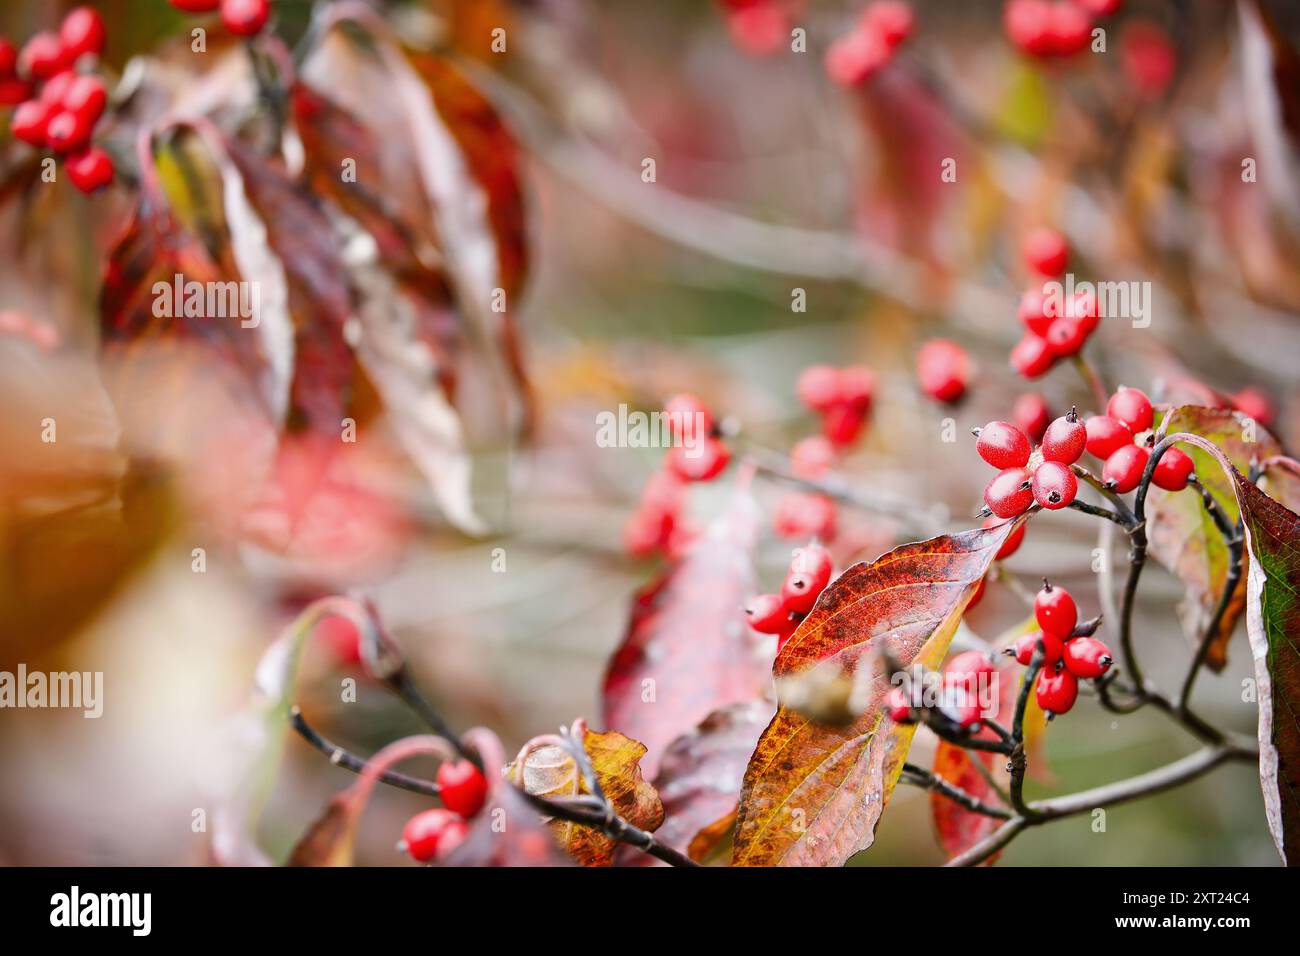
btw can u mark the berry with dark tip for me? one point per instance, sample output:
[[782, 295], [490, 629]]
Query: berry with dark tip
[[768, 614], [1087, 657], [1054, 485], [1123, 470], [1173, 470], [1055, 610], [1026, 644], [1006, 495], [1003, 445], [1065, 439]]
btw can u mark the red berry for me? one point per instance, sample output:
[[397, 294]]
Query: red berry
[[898, 705], [1054, 485], [1070, 29], [86, 97], [29, 122], [1148, 57], [1003, 445], [1028, 24], [82, 32], [1032, 356], [651, 526], [433, 834], [1100, 8], [1132, 407], [768, 614], [1046, 252], [891, 19], [688, 417], [842, 424], [1034, 312], [1057, 691], [1031, 415], [1026, 644], [1066, 337], [1123, 470], [812, 457], [1087, 657], [1055, 611], [799, 592], [857, 386], [68, 132], [462, 787], [14, 91], [1012, 543], [43, 56], [1253, 403], [968, 668], [805, 516], [1005, 495], [56, 88], [1083, 309], [976, 597], [1106, 436], [855, 57], [816, 562], [943, 369], [700, 462], [818, 387], [8, 58], [245, 18], [195, 6], [788, 631], [1173, 470], [1065, 439]]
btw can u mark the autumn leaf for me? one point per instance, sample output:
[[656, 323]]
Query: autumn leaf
[[813, 793], [1183, 536], [688, 649], [550, 771]]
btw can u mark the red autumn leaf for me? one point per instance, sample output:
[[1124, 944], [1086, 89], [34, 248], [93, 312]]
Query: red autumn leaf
[[813, 792], [688, 649]]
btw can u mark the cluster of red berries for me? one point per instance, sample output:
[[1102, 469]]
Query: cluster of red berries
[[1053, 28], [698, 454], [433, 834], [243, 18], [943, 370], [810, 572], [959, 705], [1027, 475], [1113, 439], [864, 50], [1068, 656], [57, 107], [1054, 329]]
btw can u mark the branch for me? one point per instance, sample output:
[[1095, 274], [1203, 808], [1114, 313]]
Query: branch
[[926, 780]]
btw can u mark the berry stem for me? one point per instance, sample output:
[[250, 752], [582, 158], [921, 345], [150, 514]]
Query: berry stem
[[1106, 513], [1092, 380], [919, 777], [1019, 762]]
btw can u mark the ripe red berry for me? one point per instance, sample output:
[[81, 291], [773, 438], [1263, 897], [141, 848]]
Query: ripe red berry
[[857, 386], [1070, 30], [943, 369], [1065, 439], [245, 18], [1054, 485], [1100, 8], [1148, 57], [650, 527], [56, 87], [1173, 470], [799, 592], [1055, 611], [968, 668], [1132, 407], [1026, 644], [68, 132], [818, 387], [43, 56], [1046, 252], [976, 597], [1123, 470], [1083, 309], [1087, 657], [433, 834], [1253, 403], [1005, 495], [816, 562], [1031, 415], [195, 6], [805, 516], [842, 423], [8, 58], [759, 28], [82, 32], [1012, 543], [1003, 445], [703, 461], [898, 706], [1106, 436], [1034, 313], [768, 614], [29, 122], [462, 787], [1056, 691], [892, 20], [1028, 24], [1066, 337], [855, 57], [1032, 356], [86, 97], [90, 170], [14, 91], [688, 417], [812, 457]]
